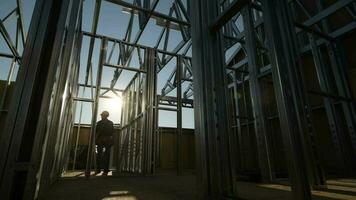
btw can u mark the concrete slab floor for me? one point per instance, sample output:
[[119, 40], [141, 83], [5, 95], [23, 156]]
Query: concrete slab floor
[[342, 189], [169, 186], [156, 187]]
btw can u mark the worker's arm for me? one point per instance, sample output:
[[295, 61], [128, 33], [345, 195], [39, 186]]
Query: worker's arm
[[112, 128], [97, 130]]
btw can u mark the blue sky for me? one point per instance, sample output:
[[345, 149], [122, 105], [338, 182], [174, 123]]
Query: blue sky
[[5, 7], [112, 22]]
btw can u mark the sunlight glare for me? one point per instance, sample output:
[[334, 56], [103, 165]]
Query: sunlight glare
[[115, 103], [113, 106]]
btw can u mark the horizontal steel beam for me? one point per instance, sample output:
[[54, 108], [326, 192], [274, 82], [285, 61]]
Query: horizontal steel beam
[[8, 41], [153, 13], [6, 55], [174, 99], [227, 14], [312, 31], [82, 99], [111, 39], [168, 109], [102, 88], [343, 30], [327, 12], [125, 68]]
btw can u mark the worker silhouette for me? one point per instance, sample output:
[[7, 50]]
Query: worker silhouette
[[104, 141]]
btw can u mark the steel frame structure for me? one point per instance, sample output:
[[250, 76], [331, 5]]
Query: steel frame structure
[[274, 39], [276, 36], [136, 144], [34, 143], [15, 48]]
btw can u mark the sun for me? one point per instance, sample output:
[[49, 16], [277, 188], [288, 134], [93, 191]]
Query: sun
[[113, 105]]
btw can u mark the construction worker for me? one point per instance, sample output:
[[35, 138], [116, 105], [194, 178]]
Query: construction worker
[[104, 141]]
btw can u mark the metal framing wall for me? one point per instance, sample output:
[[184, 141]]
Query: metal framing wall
[[272, 41], [44, 77], [135, 150]]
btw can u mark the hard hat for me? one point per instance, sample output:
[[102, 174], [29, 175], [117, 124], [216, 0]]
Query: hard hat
[[105, 113]]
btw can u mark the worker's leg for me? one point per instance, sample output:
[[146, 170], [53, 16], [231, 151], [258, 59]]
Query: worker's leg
[[106, 158], [99, 158]]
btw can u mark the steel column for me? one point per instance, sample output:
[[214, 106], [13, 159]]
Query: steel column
[[56, 134], [339, 67], [256, 96], [149, 120], [26, 122], [215, 153], [90, 154], [280, 31], [179, 114], [338, 135]]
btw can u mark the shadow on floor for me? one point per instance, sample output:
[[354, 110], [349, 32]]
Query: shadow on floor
[[124, 188], [169, 186], [336, 190]]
